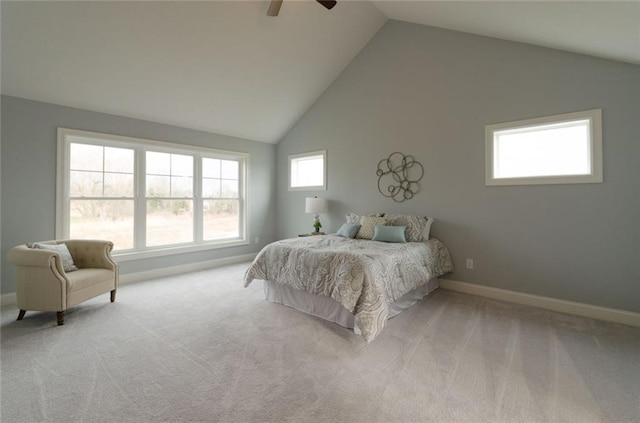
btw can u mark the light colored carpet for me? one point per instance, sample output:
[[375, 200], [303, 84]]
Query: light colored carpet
[[200, 347]]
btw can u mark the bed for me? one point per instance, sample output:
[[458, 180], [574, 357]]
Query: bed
[[358, 283]]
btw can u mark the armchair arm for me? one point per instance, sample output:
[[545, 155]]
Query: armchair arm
[[30, 257], [91, 253], [41, 283]]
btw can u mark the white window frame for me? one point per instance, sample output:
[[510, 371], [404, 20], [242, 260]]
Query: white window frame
[[595, 149], [295, 157], [141, 146]]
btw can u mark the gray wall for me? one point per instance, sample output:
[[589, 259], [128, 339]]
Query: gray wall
[[29, 176], [429, 93]]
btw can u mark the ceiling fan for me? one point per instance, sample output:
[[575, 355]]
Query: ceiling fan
[[274, 7]]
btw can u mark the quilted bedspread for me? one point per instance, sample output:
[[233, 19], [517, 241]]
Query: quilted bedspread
[[364, 276]]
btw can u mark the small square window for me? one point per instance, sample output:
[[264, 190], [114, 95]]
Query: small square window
[[561, 149], [307, 171]]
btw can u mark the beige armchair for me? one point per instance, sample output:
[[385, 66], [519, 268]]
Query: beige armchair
[[43, 285]]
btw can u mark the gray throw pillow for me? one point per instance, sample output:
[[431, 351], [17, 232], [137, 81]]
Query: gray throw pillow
[[67, 261]]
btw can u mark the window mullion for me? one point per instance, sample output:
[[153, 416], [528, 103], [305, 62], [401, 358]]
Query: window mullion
[[140, 207], [242, 197], [62, 185], [198, 215]]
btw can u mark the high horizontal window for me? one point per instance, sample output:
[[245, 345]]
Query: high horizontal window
[[557, 149], [307, 171], [148, 197]]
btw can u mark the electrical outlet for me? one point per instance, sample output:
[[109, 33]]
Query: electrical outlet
[[470, 264], [257, 240]]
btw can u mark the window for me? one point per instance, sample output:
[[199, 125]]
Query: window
[[220, 188], [150, 198], [307, 171], [557, 149], [101, 193], [169, 198]]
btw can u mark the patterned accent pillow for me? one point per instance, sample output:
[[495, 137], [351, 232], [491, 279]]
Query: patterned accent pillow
[[67, 261], [368, 226], [417, 226], [354, 218]]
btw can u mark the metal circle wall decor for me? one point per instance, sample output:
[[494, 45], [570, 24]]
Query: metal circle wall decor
[[398, 177]]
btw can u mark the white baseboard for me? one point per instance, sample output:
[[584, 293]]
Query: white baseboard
[[579, 309], [184, 268], [10, 299]]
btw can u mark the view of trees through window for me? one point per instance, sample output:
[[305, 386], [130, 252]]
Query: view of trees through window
[[101, 190], [102, 197], [169, 195], [220, 189]]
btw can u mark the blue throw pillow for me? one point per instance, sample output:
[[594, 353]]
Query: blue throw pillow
[[348, 230], [389, 233]]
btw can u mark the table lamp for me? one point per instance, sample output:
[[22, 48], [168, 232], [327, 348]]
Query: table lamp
[[316, 206]]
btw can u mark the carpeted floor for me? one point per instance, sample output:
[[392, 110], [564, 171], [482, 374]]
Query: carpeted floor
[[200, 347]]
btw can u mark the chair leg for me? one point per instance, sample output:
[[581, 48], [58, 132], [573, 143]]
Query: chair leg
[[60, 315], [21, 314], [113, 295]]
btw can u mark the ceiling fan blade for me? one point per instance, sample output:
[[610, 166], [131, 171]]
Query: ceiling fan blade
[[274, 7], [328, 4]]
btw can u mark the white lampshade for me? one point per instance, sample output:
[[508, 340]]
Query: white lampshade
[[315, 205]]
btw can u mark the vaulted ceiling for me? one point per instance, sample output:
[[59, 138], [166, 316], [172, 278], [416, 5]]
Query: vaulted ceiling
[[226, 67]]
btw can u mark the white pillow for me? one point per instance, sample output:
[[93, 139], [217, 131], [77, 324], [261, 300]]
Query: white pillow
[[427, 229], [353, 219]]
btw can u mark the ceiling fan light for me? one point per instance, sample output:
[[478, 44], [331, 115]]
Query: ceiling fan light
[[327, 3], [274, 7]]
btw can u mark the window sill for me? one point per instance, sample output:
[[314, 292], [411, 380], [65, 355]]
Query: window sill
[[170, 251]]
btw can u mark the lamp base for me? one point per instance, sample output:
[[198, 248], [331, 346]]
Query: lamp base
[[316, 224]]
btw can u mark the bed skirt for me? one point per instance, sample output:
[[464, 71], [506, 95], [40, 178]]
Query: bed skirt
[[328, 309]]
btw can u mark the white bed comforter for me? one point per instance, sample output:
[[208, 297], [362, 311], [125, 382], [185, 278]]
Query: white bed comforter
[[364, 276]]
